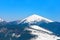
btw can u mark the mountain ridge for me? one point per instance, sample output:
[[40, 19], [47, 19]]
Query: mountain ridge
[[31, 28]]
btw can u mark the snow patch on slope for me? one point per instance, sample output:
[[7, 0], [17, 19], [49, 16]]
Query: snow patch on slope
[[40, 28], [15, 35], [41, 33]]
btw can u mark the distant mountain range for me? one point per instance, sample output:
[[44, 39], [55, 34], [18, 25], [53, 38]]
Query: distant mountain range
[[34, 27]]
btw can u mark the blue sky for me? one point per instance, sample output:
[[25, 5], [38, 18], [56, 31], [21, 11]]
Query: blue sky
[[17, 9]]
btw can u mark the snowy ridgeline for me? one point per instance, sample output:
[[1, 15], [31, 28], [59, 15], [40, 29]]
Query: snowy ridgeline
[[41, 34]]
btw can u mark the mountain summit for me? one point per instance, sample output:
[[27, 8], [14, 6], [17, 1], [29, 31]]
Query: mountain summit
[[36, 18]]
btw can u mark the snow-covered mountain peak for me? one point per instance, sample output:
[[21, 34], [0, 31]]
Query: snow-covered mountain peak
[[1, 20], [36, 18]]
